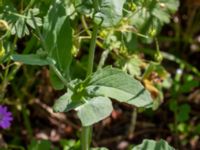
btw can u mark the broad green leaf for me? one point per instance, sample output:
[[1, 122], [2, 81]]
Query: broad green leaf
[[31, 59], [189, 83], [183, 112], [58, 38], [110, 12], [65, 103], [40, 145], [153, 145], [94, 110], [70, 144], [64, 46], [116, 84], [71, 100]]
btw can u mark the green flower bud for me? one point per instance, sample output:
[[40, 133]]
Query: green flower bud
[[152, 32], [74, 51], [2, 51], [132, 6], [158, 57]]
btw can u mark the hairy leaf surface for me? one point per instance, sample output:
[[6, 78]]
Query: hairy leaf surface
[[118, 85]]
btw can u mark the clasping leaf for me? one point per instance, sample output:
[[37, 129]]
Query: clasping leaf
[[116, 84]]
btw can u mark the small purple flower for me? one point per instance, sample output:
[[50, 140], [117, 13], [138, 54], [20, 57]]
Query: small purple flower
[[5, 117]]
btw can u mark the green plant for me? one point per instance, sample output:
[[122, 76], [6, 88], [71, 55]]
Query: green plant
[[110, 25], [153, 145]]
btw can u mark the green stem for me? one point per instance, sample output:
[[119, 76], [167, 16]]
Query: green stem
[[29, 5], [27, 121], [22, 6], [133, 123], [19, 15], [85, 25], [86, 133], [58, 73], [92, 50]]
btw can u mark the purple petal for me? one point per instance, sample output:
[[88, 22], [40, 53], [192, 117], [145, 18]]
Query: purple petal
[[5, 124], [4, 109], [8, 113], [5, 117]]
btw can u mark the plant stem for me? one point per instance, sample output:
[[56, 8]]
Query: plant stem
[[92, 50], [27, 121], [58, 73], [86, 28], [86, 133], [93, 41], [133, 123], [29, 5]]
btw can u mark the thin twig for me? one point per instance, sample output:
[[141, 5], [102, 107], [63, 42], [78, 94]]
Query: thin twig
[[59, 116], [133, 123]]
